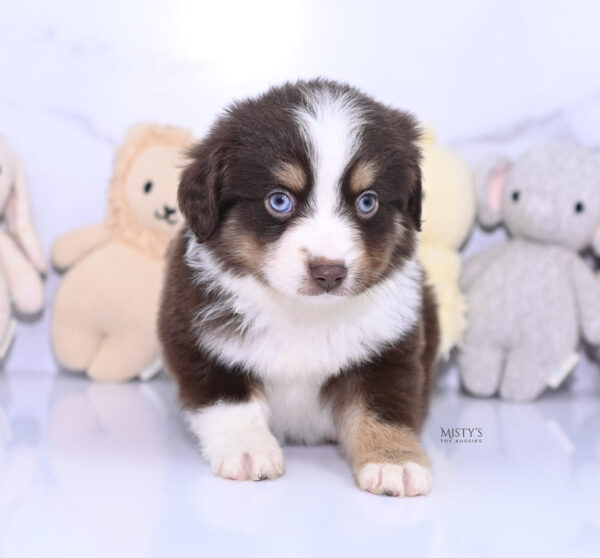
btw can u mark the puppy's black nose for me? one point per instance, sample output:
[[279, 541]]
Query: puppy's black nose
[[169, 211], [328, 276]]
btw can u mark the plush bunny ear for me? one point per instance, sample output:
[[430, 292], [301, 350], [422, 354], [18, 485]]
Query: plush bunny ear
[[20, 220], [491, 180]]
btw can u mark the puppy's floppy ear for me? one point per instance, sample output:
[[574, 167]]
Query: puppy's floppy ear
[[415, 203], [200, 188]]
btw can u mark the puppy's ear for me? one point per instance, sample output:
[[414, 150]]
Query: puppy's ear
[[200, 188], [415, 204]]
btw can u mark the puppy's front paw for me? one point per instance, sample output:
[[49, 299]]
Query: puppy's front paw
[[250, 464], [391, 479]]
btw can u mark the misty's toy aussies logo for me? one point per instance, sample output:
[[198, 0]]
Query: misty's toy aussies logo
[[461, 435]]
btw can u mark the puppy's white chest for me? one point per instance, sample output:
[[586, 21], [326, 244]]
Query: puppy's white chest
[[297, 412], [311, 349]]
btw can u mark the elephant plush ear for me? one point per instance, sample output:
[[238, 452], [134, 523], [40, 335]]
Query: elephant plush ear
[[491, 181]]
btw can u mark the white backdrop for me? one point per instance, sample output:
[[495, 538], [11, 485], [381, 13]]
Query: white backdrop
[[490, 76]]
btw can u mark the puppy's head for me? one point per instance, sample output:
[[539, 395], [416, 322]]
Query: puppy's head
[[313, 188]]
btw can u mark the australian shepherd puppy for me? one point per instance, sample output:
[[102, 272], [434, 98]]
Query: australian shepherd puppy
[[294, 307]]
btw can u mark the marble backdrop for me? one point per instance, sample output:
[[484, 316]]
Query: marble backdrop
[[490, 76]]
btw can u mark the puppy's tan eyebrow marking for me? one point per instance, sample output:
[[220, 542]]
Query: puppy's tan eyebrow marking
[[291, 175], [363, 176]]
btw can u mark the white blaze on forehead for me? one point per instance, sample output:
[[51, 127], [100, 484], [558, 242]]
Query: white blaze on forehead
[[331, 125]]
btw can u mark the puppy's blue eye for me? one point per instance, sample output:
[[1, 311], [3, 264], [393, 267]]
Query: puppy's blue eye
[[367, 204], [279, 203]]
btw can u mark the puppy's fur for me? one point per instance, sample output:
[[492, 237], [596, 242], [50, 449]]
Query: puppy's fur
[[313, 324]]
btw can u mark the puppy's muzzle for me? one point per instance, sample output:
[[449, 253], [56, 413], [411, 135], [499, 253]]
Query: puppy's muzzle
[[328, 276]]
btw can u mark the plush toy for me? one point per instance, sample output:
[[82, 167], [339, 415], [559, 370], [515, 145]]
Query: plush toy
[[105, 308], [530, 297], [449, 207], [22, 262]]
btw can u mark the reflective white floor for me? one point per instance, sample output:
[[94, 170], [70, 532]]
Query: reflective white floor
[[90, 470]]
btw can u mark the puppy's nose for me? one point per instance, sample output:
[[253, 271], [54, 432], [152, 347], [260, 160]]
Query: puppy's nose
[[169, 210], [328, 276]]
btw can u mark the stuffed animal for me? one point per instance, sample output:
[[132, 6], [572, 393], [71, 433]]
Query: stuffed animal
[[105, 308], [449, 207], [22, 262], [530, 297]]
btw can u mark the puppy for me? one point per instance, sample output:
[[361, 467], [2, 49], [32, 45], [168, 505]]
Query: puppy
[[294, 308]]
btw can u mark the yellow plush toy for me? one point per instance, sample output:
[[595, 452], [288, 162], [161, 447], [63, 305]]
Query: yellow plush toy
[[105, 308], [449, 208]]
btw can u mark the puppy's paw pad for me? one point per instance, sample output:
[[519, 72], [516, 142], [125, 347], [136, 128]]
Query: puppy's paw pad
[[250, 465], [390, 479]]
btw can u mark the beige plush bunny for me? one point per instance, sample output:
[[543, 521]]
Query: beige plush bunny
[[105, 308], [21, 256]]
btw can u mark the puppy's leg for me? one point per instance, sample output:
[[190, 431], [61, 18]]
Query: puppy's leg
[[236, 440], [386, 458], [226, 410], [379, 408]]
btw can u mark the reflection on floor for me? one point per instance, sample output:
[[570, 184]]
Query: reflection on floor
[[90, 470]]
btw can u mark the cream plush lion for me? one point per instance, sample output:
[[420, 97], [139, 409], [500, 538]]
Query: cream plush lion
[[104, 319], [449, 208]]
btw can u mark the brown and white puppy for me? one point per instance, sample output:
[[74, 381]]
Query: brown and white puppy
[[294, 307]]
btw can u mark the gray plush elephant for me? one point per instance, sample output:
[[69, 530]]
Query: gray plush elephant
[[531, 298]]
